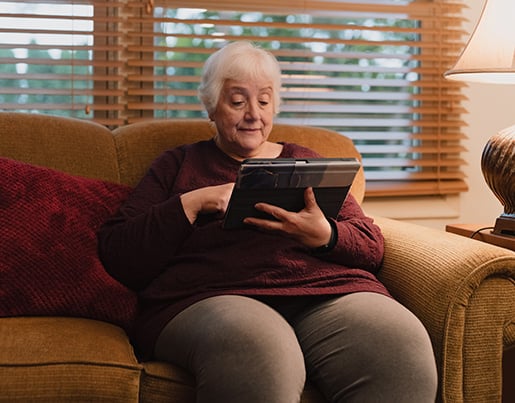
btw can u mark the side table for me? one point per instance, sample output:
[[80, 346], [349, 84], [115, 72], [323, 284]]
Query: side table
[[484, 233]]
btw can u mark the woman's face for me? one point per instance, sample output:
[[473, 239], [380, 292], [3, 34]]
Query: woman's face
[[244, 117]]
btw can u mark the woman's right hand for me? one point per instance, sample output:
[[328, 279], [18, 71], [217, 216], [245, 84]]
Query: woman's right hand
[[211, 199]]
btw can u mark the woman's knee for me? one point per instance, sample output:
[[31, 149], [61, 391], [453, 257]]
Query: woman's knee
[[368, 345], [236, 345]]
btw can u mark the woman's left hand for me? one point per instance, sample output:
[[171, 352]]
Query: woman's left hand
[[309, 226]]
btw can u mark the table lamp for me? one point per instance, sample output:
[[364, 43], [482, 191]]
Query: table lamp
[[489, 57]]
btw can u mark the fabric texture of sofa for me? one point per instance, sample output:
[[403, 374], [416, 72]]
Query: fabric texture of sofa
[[64, 322]]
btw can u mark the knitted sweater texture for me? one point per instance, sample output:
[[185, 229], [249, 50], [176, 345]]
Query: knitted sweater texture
[[150, 245]]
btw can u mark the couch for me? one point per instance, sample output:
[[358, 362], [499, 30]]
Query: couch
[[64, 322]]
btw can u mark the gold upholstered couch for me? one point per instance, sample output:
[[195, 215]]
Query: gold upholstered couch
[[462, 290]]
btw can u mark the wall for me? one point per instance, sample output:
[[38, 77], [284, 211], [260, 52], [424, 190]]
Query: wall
[[490, 108]]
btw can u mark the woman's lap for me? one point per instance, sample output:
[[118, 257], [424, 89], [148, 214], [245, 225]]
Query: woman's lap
[[366, 347], [238, 348], [357, 347]]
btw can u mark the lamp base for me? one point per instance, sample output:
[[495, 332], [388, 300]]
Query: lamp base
[[505, 225]]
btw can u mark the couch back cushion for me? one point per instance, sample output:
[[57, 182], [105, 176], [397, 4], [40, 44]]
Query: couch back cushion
[[139, 144], [70, 145]]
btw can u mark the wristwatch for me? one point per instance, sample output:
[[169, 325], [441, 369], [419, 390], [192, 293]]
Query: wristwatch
[[332, 241]]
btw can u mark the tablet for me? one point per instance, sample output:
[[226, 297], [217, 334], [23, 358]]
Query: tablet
[[282, 181]]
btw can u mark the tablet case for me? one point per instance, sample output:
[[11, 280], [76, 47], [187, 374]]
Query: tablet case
[[282, 182]]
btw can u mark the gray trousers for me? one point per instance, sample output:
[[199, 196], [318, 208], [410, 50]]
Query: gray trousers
[[362, 347]]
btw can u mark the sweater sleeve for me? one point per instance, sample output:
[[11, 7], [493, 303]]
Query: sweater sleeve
[[360, 243], [136, 244]]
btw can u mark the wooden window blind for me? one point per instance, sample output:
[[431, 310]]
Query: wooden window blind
[[62, 57], [369, 69]]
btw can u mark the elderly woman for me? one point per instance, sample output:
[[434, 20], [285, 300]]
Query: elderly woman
[[251, 312]]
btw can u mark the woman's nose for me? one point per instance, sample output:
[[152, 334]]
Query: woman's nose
[[252, 111]]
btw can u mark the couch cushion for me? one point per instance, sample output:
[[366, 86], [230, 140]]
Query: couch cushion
[[162, 382], [66, 360], [75, 146], [48, 259]]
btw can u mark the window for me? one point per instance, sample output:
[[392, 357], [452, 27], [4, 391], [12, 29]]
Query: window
[[50, 60], [369, 69]]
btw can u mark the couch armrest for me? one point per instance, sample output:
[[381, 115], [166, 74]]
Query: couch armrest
[[463, 291]]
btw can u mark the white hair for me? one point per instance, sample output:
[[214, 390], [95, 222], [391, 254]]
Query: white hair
[[241, 61]]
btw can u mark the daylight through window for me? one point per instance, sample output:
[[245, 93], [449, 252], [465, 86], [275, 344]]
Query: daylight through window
[[369, 69]]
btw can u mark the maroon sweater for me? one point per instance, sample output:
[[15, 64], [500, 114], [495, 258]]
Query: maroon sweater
[[150, 245]]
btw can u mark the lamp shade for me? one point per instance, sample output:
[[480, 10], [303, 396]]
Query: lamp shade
[[489, 56]]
